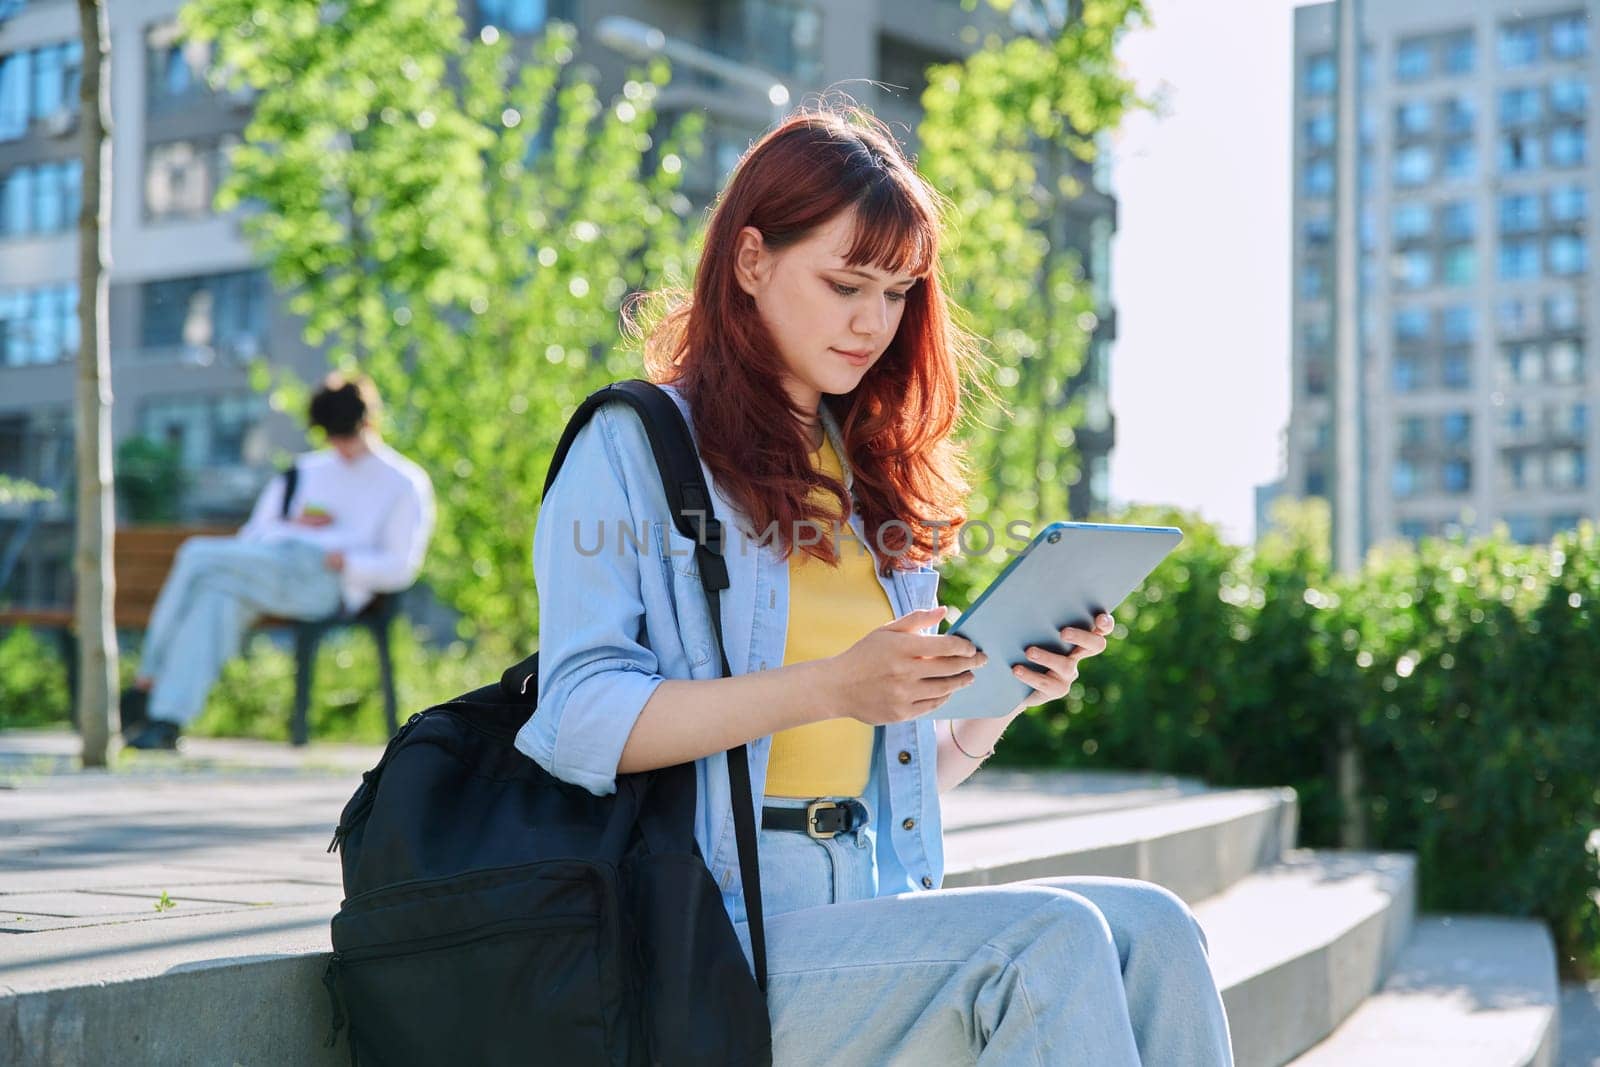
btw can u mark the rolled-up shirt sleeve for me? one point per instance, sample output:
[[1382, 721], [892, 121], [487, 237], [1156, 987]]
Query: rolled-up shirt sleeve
[[595, 671]]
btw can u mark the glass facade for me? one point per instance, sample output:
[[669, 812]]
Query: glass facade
[[41, 199], [38, 325], [205, 312], [37, 84]]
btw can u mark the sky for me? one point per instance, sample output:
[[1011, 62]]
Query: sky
[[1200, 262]]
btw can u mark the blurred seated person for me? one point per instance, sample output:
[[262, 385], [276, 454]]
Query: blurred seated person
[[356, 523]]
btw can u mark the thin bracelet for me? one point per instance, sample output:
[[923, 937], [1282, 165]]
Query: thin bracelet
[[963, 751]]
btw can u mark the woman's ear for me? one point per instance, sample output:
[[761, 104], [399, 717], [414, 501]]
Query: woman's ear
[[751, 260]]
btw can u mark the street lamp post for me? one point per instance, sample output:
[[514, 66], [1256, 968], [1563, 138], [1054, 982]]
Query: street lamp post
[[634, 38]]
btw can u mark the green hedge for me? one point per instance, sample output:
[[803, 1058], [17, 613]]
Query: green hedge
[[1465, 676]]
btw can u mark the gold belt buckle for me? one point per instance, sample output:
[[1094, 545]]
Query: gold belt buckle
[[811, 820]]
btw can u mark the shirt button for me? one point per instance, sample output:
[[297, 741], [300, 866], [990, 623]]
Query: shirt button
[[927, 883], [905, 757], [910, 824]]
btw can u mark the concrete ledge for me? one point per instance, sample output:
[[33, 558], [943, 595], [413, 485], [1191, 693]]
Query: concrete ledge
[[1195, 845], [1297, 947], [1469, 992]]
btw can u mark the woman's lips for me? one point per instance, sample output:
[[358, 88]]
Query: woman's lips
[[857, 359]]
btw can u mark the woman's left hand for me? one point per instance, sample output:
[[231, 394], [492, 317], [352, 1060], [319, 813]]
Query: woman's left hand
[[1057, 671]]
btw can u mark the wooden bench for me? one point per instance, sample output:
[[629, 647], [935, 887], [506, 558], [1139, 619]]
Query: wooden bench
[[143, 557]]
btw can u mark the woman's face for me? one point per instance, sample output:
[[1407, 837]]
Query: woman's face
[[831, 320]]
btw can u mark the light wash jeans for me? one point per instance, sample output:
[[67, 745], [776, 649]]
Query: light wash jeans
[[1056, 972], [217, 589]]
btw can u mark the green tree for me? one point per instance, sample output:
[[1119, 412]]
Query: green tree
[[999, 136], [463, 220]]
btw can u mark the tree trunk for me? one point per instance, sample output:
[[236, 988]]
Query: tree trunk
[[95, 580]]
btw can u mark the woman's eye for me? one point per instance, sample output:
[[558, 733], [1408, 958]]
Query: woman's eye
[[895, 296], [845, 290]]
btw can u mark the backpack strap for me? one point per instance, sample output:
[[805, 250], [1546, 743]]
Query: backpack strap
[[689, 500], [291, 482]]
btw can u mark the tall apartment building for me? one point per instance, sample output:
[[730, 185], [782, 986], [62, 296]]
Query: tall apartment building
[[1465, 395], [191, 305]]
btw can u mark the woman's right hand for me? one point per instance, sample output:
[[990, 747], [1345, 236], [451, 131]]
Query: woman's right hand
[[896, 673]]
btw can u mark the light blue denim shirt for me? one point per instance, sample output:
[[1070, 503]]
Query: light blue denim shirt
[[623, 609]]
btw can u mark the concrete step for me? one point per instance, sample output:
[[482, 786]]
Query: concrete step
[[1297, 947], [1196, 844], [1467, 992]]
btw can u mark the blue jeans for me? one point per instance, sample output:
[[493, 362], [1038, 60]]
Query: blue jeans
[[1098, 972], [217, 589]]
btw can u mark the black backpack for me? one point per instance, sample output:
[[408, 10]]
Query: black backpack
[[494, 914]]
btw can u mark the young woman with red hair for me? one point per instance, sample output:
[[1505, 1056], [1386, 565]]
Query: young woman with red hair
[[820, 372]]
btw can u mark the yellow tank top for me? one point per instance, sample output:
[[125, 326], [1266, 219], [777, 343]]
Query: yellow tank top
[[830, 609]]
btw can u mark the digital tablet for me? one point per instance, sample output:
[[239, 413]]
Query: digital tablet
[[1069, 573]]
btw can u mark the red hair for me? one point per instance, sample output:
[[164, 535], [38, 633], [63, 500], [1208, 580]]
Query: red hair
[[910, 482]]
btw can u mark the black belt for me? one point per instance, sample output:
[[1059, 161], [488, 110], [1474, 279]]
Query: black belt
[[820, 819]]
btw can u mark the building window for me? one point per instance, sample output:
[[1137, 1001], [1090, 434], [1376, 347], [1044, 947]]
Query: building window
[[1413, 165], [1567, 469], [1523, 529], [1412, 220], [1320, 130], [782, 36], [1459, 116], [1562, 313], [38, 325], [200, 315], [1519, 213], [1413, 60], [1320, 75], [1519, 46], [1318, 231], [1457, 220], [1313, 281], [181, 177], [1415, 529], [1569, 36], [1564, 523], [1458, 323], [513, 16], [1414, 118], [1515, 318], [1406, 376], [1456, 371], [1413, 431], [1403, 478], [38, 84], [1569, 98], [1411, 324], [1316, 483], [1459, 265], [1567, 254], [1519, 260], [1319, 178], [1565, 363], [1521, 106], [1460, 159], [207, 431], [1519, 152], [1457, 475], [1460, 53], [1568, 147], [176, 70], [1456, 427], [1568, 203], [44, 198], [1415, 269]]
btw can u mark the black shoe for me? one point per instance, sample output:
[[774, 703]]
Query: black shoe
[[154, 734], [135, 705]]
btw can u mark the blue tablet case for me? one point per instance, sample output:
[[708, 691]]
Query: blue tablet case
[[1069, 573]]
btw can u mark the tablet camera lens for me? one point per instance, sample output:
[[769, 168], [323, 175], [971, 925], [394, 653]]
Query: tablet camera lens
[[1053, 538]]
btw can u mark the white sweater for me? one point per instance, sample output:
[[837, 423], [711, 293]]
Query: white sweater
[[382, 509]]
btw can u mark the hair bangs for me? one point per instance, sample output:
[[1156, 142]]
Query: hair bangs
[[893, 231]]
